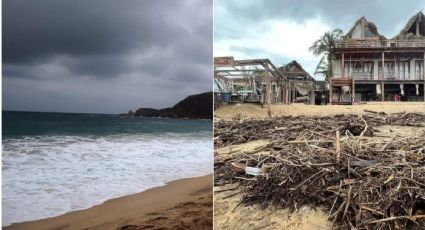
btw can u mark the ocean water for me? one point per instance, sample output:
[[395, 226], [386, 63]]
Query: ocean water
[[54, 163]]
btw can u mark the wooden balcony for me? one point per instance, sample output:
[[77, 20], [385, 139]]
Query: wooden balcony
[[381, 76], [394, 43]]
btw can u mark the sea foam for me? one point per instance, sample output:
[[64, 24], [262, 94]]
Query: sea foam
[[46, 176]]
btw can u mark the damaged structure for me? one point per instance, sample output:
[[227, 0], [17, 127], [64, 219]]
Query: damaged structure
[[370, 67], [300, 82], [260, 81]]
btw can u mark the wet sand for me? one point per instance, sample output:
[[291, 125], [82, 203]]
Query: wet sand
[[181, 204]]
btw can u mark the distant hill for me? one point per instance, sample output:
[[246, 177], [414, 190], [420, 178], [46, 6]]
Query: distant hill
[[197, 106]]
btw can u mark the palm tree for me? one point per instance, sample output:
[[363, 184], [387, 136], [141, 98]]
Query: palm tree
[[324, 46]]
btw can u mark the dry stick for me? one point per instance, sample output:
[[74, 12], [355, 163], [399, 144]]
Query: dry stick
[[365, 129], [321, 171], [395, 218], [319, 134], [372, 210], [336, 198], [334, 216], [348, 202], [231, 195], [338, 147], [228, 189], [243, 178], [374, 112], [310, 141], [388, 144], [348, 168]]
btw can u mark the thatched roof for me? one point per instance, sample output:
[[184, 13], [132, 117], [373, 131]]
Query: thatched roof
[[293, 70], [412, 22], [370, 25]]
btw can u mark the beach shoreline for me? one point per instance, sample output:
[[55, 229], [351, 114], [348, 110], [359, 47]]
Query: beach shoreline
[[184, 203]]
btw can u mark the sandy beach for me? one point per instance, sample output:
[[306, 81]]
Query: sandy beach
[[181, 204], [231, 184], [255, 110]]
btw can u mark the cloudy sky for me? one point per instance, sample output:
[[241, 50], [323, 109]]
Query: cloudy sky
[[283, 30], [104, 56]]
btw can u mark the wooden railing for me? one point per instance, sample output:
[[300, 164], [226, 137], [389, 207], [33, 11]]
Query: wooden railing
[[361, 44], [407, 42], [393, 43], [381, 76]]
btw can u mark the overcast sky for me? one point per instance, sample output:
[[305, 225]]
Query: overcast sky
[[283, 30], [104, 56]]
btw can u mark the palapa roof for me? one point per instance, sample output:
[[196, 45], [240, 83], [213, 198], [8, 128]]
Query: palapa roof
[[370, 25], [293, 69], [412, 22]]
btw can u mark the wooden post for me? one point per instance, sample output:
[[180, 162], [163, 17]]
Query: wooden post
[[382, 92], [293, 92], [423, 76], [397, 65], [312, 96], [268, 90], [383, 66], [330, 92], [342, 66], [287, 92], [337, 147], [353, 87]]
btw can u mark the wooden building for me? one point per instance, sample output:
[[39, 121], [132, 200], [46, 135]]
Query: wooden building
[[301, 83], [249, 81], [370, 67]]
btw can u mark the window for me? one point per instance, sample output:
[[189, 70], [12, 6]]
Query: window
[[368, 33], [357, 32]]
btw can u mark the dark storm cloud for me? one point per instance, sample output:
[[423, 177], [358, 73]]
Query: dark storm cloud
[[89, 54], [35, 29]]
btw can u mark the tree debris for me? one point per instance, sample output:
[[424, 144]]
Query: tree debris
[[373, 185]]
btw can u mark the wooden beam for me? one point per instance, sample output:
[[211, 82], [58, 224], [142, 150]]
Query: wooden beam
[[287, 93], [337, 147], [268, 90], [417, 28], [342, 65], [353, 87], [383, 66], [312, 95], [330, 92], [382, 92]]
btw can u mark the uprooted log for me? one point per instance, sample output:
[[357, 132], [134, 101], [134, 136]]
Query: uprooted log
[[378, 185]]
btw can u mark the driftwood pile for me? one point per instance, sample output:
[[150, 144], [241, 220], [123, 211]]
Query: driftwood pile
[[289, 128], [330, 162]]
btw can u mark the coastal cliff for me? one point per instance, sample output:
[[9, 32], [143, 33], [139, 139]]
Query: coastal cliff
[[197, 106]]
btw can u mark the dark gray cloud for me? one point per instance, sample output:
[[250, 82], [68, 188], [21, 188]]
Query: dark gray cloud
[[104, 55]]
